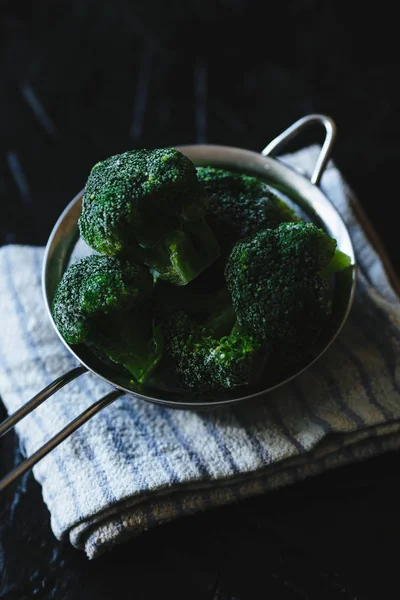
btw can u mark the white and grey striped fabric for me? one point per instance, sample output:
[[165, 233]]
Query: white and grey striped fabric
[[136, 465]]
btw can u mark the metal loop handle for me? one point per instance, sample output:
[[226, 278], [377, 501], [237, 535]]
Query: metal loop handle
[[281, 140], [37, 400], [29, 406]]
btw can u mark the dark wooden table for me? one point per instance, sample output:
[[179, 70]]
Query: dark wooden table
[[80, 81]]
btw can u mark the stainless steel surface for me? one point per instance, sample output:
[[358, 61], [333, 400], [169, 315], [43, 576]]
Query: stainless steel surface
[[65, 247]]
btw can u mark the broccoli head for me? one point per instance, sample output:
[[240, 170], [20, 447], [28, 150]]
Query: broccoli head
[[203, 362], [278, 286], [240, 205], [148, 206], [104, 304]]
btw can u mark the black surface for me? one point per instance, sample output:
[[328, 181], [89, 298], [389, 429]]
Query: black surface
[[81, 80]]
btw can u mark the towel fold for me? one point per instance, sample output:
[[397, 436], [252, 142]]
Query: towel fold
[[136, 465]]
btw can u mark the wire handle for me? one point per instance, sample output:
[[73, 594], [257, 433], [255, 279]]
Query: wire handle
[[291, 132], [36, 401], [87, 414]]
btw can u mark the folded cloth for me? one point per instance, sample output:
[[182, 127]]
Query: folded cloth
[[136, 465]]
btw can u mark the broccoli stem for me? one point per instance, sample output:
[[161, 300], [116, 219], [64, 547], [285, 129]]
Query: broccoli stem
[[190, 251], [223, 318], [237, 329], [128, 343], [142, 364], [182, 255], [339, 261]]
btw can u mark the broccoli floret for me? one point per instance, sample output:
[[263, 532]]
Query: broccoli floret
[[104, 304], [278, 287], [240, 205], [148, 206], [203, 362]]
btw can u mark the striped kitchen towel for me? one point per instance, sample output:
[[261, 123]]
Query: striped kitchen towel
[[136, 465]]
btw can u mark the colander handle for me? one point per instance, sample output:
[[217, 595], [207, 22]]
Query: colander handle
[[27, 408], [291, 132]]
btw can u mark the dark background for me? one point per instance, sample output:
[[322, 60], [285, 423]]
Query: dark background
[[81, 80]]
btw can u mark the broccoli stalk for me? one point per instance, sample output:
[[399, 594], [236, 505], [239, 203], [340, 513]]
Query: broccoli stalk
[[222, 319], [129, 342], [338, 262], [149, 207], [104, 304]]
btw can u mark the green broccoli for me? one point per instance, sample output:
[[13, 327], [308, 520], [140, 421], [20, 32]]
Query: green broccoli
[[278, 286], [240, 205], [148, 206], [105, 305], [203, 362], [205, 281]]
